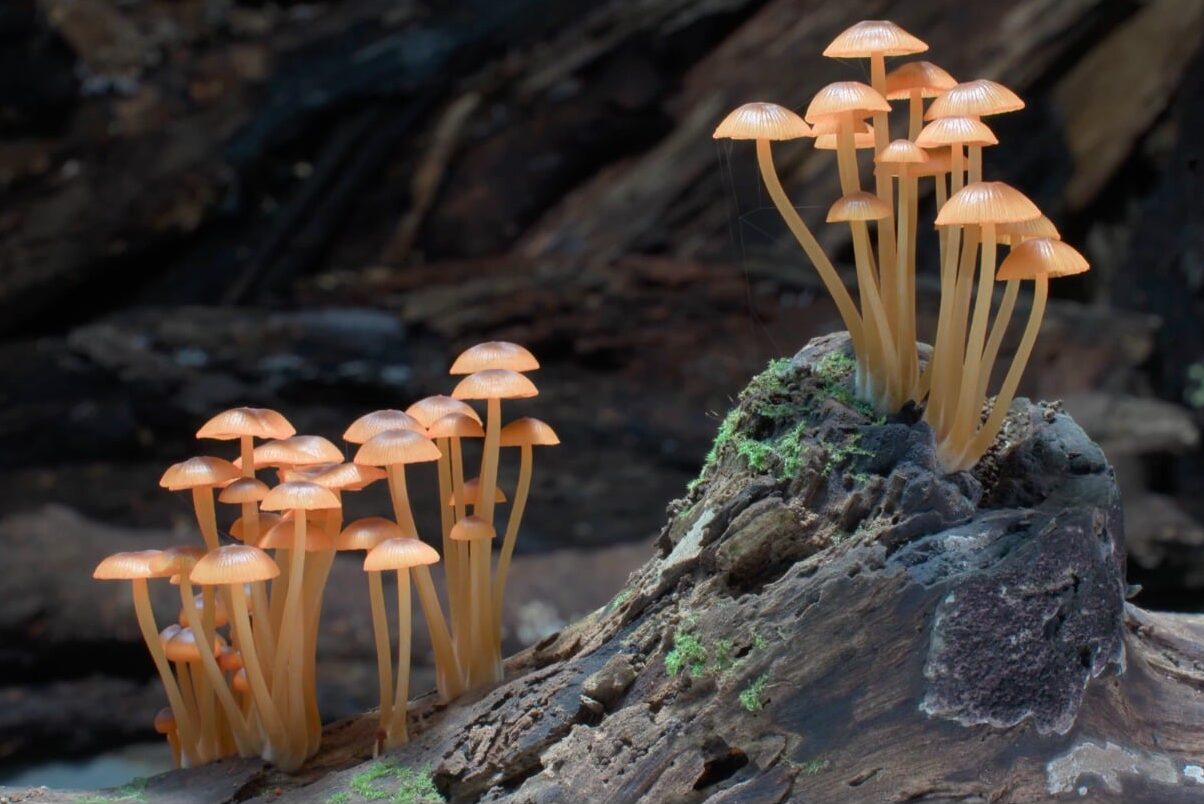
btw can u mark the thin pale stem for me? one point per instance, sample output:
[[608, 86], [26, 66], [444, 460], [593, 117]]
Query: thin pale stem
[[448, 675], [217, 681], [397, 734], [265, 708], [1002, 318], [380, 630], [516, 517], [967, 415], [150, 635]]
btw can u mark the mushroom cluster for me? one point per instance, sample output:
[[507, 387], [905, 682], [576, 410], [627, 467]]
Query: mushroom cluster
[[974, 218], [238, 664]]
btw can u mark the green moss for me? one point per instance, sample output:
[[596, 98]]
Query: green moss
[[341, 797], [413, 787], [133, 790], [688, 654], [840, 453], [723, 657], [619, 599], [752, 697], [812, 766]]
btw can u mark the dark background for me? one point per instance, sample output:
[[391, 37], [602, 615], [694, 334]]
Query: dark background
[[314, 207]]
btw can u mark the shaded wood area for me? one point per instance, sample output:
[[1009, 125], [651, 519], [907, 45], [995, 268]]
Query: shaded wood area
[[313, 206]]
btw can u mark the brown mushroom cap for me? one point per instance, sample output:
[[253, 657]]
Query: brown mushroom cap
[[495, 384], [244, 490], [130, 566], [858, 207], [394, 447], [455, 425], [861, 140], [300, 495], [494, 355], [869, 37], [855, 97], [977, 98], [230, 661], [283, 534], [901, 152], [379, 421], [266, 521], [429, 410], [528, 430], [301, 450], [239, 422], [350, 476], [956, 131], [1042, 255], [1020, 231], [987, 202], [165, 721], [366, 533], [397, 554], [922, 75], [234, 563], [471, 528], [182, 646], [472, 493], [761, 121], [198, 472]]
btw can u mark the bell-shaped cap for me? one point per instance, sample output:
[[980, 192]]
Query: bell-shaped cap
[[283, 536], [182, 646], [986, 202], [349, 476], [234, 564], [266, 521], [761, 121], [301, 450], [494, 355], [1041, 256], [174, 560], [1020, 231], [870, 37], [858, 207], [495, 384], [291, 474], [471, 492], [528, 431], [366, 533], [977, 98], [956, 131], [200, 472], [861, 141], [244, 490], [394, 447], [831, 125], [165, 721], [378, 421], [220, 615], [239, 422], [472, 528], [901, 152], [840, 97], [300, 496], [399, 554], [455, 425], [433, 408], [129, 566], [925, 76]]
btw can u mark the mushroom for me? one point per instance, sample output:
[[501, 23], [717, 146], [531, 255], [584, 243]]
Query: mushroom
[[975, 99], [229, 567], [1038, 259], [913, 82], [298, 498], [405, 556], [246, 425], [767, 123], [393, 450], [365, 534], [165, 724], [246, 492], [137, 568], [983, 205], [183, 651], [524, 433], [482, 669]]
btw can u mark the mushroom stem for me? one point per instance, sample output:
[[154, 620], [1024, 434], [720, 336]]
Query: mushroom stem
[[954, 365], [882, 185], [265, 638], [380, 626], [217, 681], [935, 370], [975, 167], [964, 419], [460, 614], [316, 575], [819, 259], [915, 116], [516, 517], [397, 734], [173, 742], [480, 554], [289, 648], [479, 626], [905, 279], [1002, 319], [150, 635], [277, 749], [1007, 392], [250, 511], [188, 695], [446, 520]]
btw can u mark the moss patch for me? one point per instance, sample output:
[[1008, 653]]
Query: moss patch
[[752, 697], [400, 785], [688, 654], [132, 791]]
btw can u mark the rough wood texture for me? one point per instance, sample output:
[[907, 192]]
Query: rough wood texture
[[830, 618]]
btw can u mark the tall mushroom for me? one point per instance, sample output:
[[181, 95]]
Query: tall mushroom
[[977, 98], [524, 433], [394, 450], [483, 669], [913, 82], [137, 568]]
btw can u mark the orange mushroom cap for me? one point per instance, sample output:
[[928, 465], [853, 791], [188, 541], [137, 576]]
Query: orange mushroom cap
[[283, 536], [239, 422], [472, 493], [761, 121], [831, 125], [378, 421], [494, 355], [858, 207], [495, 384], [1020, 231], [861, 100], [399, 554], [861, 140], [977, 98], [987, 202], [234, 564], [266, 521], [429, 410], [366, 533], [129, 566], [471, 528], [394, 447], [956, 131], [1041, 255], [300, 495], [528, 430], [181, 646], [925, 76], [901, 152], [165, 721], [869, 37], [199, 472], [350, 477], [455, 425], [244, 490], [301, 450], [230, 661]]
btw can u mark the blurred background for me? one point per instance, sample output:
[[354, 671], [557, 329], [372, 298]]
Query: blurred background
[[315, 206]]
